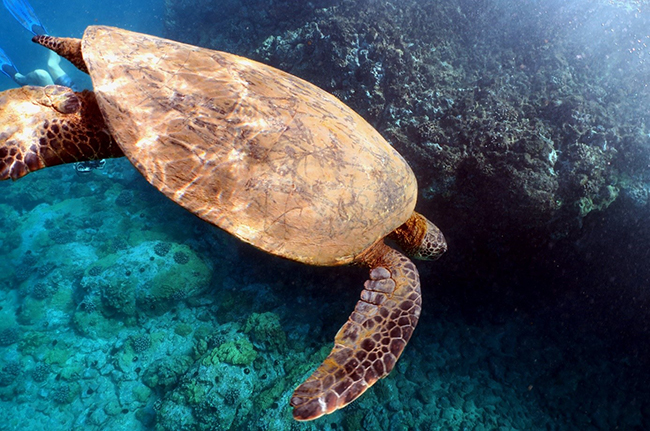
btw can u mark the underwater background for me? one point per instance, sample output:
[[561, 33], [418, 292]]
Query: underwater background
[[527, 125]]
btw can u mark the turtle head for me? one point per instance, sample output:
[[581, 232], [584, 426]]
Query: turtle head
[[24, 110], [420, 238], [28, 103]]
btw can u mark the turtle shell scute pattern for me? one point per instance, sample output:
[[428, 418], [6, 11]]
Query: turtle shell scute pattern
[[267, 156]]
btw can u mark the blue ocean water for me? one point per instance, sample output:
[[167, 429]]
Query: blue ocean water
[[70, 20], [120, 310]]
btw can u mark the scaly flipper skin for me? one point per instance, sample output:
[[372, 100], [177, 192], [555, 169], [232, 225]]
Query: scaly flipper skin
[[67, 47], [367, 347], [48, 126]]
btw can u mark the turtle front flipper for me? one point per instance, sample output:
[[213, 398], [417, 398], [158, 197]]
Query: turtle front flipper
[[367, 347], [48, 126]]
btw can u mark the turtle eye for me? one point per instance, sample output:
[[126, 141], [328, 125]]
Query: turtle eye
[[62, 99]]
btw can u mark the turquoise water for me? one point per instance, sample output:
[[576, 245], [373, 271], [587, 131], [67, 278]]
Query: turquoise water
[[119, 310]]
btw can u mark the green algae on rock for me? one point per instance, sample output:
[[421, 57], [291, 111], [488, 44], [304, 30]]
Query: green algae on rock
[[236, 352], [265, 328]]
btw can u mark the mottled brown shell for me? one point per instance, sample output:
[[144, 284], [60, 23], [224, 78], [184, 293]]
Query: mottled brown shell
[[268, 157]]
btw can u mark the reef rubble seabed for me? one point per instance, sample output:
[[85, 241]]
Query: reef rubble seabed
[[93, 338]]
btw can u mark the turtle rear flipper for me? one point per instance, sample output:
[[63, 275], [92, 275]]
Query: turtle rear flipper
[[367, 347], [48, 126]]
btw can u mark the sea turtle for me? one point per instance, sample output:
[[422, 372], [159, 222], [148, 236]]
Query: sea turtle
[[262, 154]]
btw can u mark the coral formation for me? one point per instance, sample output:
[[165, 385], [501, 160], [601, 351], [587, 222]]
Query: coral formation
[[265, 329], [181, 258], [141, 280], [237, 352], [165, 372], [141, 343], [9, 336], [40, 372], [124, 199], [10, 372], [162, 248], [63, 394]]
